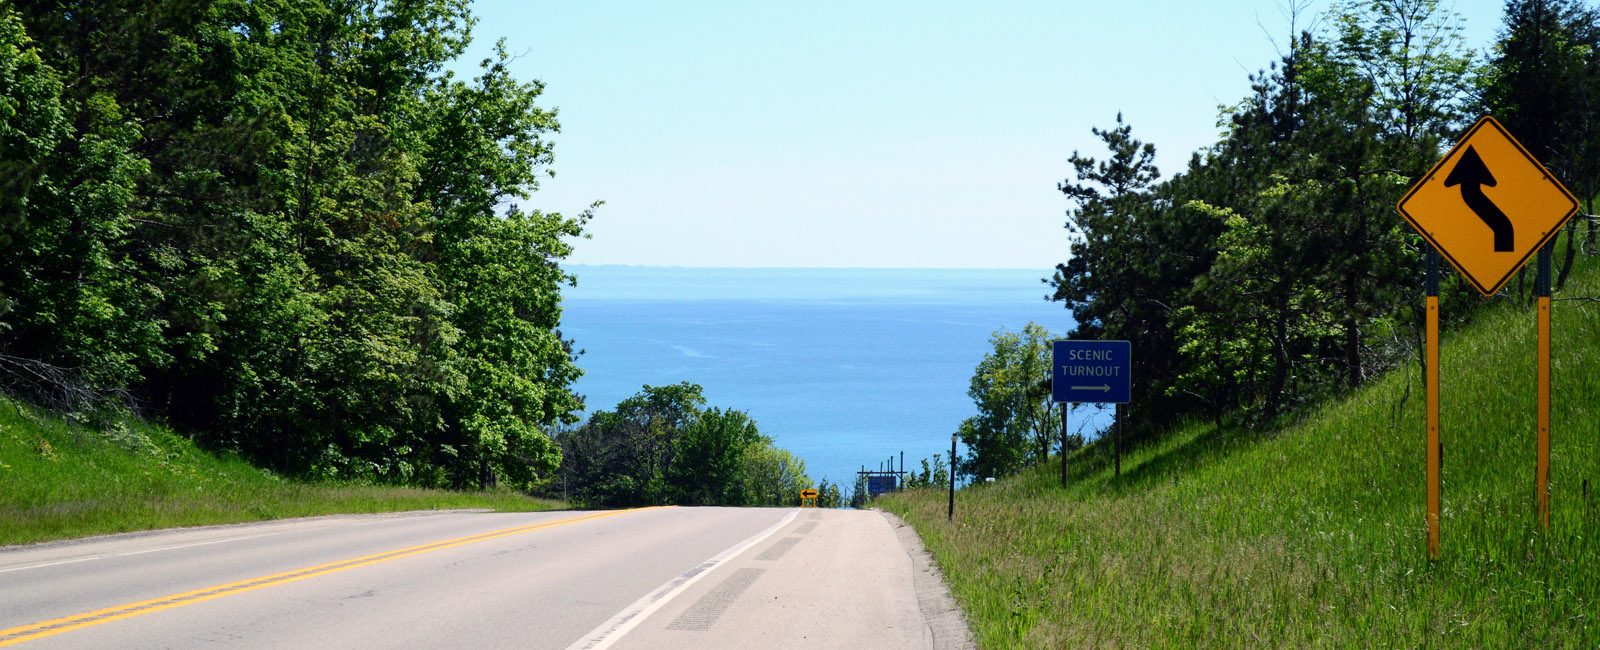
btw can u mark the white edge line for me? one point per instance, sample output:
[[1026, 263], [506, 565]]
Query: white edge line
[[41, 566], [148, 550], [631, 616], [205, 543]]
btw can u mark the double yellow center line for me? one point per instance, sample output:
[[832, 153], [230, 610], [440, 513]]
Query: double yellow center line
[[24, 633]]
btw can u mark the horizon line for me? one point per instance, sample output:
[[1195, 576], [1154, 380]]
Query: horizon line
[[812, 268]]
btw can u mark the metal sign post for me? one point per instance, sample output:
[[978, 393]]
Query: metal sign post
[[951, 515], [1431, 378], [1063, 444], [1541, 470]]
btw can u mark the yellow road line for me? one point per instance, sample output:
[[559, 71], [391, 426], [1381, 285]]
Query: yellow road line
[[52, 627]]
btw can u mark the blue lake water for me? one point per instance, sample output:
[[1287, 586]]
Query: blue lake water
[[842, 367]]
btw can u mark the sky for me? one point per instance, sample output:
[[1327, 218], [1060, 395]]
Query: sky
[[867, 134]]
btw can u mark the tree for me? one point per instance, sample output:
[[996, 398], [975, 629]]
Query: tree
[[1262, 319], [1016, 419], [829, 495], [623, 457], [1130, 262], [1408, 60], [832, 497], [708, 467], [934, 475], [1097, 281], [1410, 53], [71, 296], [1543, 84], [773, 476], [499, 268], [663, 446], [281, 225]]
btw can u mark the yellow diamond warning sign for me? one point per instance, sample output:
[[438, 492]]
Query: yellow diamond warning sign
[[1488, 205]]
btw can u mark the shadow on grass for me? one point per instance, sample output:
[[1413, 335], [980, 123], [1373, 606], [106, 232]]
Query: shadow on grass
[[1143, 465]]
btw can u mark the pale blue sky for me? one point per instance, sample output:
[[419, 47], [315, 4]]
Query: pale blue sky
[[867, 134]]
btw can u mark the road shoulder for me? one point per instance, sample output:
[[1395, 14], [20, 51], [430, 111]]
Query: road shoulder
[[947, 625], [826, 579]]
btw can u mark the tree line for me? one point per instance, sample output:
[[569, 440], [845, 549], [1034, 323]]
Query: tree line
[[284, 227], [663, 445], [1273, 271]]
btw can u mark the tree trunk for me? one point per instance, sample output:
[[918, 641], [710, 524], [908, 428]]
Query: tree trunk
[[1594, 224], [1280, 355], [1566, 264], [1352, 332]]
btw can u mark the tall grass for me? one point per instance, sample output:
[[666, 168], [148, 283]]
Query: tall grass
[[61, 480], [1311, 535]]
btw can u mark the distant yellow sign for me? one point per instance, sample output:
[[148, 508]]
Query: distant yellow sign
[[808, 495], [1488, 205]]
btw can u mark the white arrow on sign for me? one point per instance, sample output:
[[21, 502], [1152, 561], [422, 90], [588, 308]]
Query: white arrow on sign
[[1103, 389]]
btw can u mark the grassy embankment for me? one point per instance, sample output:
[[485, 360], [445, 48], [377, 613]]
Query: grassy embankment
[[1312, 534], [59, 480]]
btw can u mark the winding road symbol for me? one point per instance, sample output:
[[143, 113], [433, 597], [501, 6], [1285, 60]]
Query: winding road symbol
[[1471, 174]]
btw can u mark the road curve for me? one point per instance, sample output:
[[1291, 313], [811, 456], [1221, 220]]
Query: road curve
[[656, 578]]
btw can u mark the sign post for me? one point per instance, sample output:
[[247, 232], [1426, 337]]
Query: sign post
[[1431, 378], [1063, 444], [1541, 469], [1094, 372], [1488, 236], [951, 514]]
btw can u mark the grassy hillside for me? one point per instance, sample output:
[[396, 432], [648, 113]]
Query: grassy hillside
[[1312, 535], [59, 480]]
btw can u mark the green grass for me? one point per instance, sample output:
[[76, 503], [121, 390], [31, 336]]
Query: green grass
[[1311, 535], [59, 480]]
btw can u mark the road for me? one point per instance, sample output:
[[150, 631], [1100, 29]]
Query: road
[[648, 578]]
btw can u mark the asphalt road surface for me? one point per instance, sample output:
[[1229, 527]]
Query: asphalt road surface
[[649, 578]]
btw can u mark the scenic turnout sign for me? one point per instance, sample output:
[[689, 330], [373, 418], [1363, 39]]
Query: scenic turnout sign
[[1092, 371]]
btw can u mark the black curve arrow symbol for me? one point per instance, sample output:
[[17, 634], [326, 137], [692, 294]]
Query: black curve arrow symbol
[[1471, 174]]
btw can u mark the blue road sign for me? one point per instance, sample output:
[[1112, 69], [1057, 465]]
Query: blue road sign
[[1091, 371], [881, 483]]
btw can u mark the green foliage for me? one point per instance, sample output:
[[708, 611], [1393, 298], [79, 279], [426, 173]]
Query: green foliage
[[829, 495], [773, 476], [282, 226], [709, 464], [70, 299], [1410, 54], [935, 475], [1016, 420], [1542, 81], [32, 122], [663, 446]]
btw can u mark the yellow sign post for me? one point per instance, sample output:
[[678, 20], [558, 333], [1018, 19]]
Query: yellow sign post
[[808, 498], [1487, 206], [1431, 378]]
